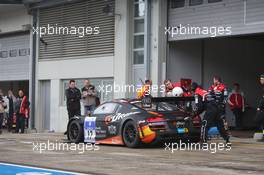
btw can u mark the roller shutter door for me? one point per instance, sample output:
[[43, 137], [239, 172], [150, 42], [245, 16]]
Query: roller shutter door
[[81, 14], [14, 57]]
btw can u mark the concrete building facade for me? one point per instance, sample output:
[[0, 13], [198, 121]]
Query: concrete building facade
[[136, 43]]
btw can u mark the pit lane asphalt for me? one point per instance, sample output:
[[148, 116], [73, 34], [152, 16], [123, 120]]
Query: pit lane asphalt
[[245, 157]]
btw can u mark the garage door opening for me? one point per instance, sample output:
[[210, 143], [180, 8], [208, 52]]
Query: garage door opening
[[15, 86], [237, 59]]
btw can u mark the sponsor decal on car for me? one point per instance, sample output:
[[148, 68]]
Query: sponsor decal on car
[[141, 122], [120, 116], [146, 134], [112, 129], [100, 133], [108, 119]]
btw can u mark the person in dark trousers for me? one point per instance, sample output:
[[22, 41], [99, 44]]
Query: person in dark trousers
[[11, 116], [237, 105], [260, 109], [11, 111], [215, 110], [22, 111], [73, 97], [3, 106]]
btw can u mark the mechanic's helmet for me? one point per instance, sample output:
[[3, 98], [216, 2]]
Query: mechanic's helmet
[[169, 94], [177, 92]]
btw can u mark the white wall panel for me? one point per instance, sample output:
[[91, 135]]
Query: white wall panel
[[242, 16], [76, 68]]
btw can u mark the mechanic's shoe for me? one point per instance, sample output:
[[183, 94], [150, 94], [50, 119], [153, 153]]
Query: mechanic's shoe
[[228, 141]]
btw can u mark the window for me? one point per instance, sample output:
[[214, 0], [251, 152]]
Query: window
[[195, 2], [138, 57], [177, 3], [139, 9], [139, 32], [3, 54], [123, 109], [100, 86], [107, 108], [212, 1], [139, 41], [13, 53], [22, 52], [139, 26]]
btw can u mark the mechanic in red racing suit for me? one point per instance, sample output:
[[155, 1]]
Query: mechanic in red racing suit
[[185, 84], [215, 110], [169, 86]]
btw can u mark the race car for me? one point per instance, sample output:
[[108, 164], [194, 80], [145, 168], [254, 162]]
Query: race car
[[137, 122]]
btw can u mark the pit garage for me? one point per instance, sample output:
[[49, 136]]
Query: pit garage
[[236, 57], [15, 86], [14, 62]]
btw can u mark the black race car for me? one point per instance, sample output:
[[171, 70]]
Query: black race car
[[136, 122]]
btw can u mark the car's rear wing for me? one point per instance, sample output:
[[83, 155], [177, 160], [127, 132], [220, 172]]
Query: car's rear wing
[[166, 99], [172, 99], [147, 102]]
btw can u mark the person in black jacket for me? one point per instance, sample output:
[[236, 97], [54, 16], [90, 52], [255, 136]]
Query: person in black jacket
[[260, 108], [73, 97], [11, 110]]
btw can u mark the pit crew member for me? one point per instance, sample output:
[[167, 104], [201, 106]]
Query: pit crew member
[[260, 109], [215, 110]]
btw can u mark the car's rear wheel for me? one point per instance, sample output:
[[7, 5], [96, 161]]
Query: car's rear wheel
[[130, 135], [75, 131]]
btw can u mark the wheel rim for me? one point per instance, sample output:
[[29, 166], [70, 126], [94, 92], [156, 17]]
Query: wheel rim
[[130, 133], [74, 131]]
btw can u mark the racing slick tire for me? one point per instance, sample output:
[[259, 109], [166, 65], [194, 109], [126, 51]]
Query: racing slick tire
[[75, 132], [130, 135]]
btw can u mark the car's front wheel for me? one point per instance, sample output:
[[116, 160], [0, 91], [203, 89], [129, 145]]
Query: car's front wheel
[[75, 131], [130, 135]]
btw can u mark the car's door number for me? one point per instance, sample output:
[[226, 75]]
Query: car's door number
[[89, 129]]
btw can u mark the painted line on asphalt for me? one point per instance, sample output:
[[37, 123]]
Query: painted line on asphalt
[[11, 169]]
